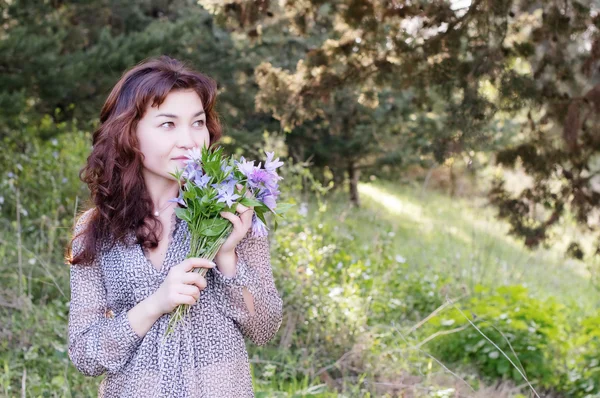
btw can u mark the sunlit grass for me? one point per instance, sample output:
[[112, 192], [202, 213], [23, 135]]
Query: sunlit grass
[[462, 236], [434, 234]]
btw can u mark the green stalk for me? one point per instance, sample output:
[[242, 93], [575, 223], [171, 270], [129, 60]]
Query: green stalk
[[196, 246]]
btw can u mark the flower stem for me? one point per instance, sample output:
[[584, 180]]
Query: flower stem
[[198, 243]]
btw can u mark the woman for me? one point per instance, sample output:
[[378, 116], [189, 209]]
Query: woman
[[128, 266]]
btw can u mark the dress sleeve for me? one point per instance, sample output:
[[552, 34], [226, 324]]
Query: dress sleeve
[[254, 273], [98, 342]]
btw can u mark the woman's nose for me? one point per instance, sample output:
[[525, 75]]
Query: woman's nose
[[186, 138]]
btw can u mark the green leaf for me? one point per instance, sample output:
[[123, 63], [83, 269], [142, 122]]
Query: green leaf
[[183, 214], [246, 201], [213, 226], [212, 168], [261, 216], [283, 207], [189, 195], [503, 366]]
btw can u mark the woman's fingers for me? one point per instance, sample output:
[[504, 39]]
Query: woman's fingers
[[247, 217], [190, 290], [193, 278], [245, 214], [194, 262], [185, 299], [243, 220], [235, 220], [240, 187]]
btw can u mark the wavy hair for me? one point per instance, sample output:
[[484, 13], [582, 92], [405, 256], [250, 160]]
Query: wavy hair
[[113, 172]]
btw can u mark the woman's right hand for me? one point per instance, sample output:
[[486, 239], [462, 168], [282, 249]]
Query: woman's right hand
[[181, 286]]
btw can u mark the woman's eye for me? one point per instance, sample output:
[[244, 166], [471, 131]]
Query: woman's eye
[[167, 124]]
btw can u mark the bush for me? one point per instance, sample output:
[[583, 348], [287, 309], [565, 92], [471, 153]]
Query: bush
[[535, 330], [584, 368]]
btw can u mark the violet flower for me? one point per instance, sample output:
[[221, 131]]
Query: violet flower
[[267, 199], [225, 194], [201, 180], [258, 227], [189, 170], [270, 164], [179, 199], [194, 154], [246, 167], [260, 178]]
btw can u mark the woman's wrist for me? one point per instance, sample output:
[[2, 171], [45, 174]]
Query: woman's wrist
[[144, 315], [227, 263], [152, 308]]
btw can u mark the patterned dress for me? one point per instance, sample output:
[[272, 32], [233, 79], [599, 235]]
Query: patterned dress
[[205, 356]]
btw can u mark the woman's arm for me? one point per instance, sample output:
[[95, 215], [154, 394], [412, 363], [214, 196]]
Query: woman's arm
[[144, 315], [97, 341], [250, 297]]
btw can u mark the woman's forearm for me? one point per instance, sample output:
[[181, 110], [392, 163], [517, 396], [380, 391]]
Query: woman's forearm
[[227, 265], [143, 316]]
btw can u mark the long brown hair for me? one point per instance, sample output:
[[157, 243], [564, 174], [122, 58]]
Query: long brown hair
[[113, 171]]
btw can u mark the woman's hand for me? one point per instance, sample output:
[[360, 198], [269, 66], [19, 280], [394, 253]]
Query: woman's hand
[[181, 286], [241, 224]]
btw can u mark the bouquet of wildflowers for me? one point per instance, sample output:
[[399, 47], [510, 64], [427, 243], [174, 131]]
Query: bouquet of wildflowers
[[210, 186]]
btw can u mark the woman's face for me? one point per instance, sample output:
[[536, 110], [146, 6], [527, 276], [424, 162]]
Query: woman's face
[[166, 132]]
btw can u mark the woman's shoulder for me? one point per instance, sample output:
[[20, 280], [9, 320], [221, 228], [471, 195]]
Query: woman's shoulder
[[83, 219]]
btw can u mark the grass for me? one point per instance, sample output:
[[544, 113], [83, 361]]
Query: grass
[[462, 237]]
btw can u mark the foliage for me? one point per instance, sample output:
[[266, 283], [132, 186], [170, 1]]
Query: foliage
[[409, 295], [529, 60], [361, 59], [531, 332], [584, 367]]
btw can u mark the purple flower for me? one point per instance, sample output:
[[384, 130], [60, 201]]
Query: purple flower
[[270, 164], [258, 227], [201, 180], [194, 154], [226, 169], [273, 191], [225, 194], [246, 167], [269, 201], [260, 178], [178, 199], [267, 198], [190, 170]]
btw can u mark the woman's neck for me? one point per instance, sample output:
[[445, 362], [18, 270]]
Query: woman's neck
[[161, 191]]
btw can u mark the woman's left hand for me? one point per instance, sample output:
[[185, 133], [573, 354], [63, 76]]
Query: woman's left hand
[[241, 224]]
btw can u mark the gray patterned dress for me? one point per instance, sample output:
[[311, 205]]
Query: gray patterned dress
[[205, 356]]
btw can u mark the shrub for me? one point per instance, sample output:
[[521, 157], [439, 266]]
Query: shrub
[[514, 321], [584, 367]]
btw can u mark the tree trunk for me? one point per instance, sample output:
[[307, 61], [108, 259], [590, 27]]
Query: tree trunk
[[427, 178], [353, 175], [452, 181], [338, 177]]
